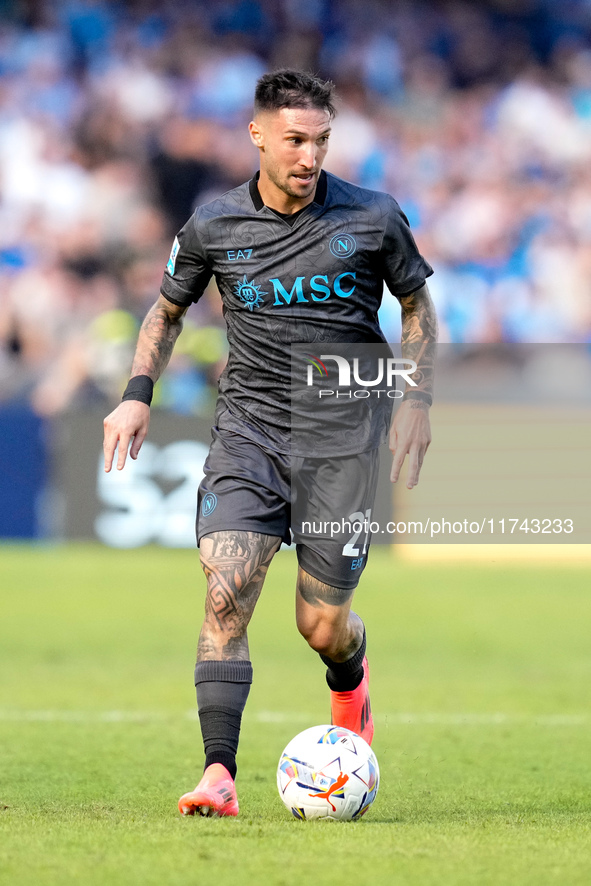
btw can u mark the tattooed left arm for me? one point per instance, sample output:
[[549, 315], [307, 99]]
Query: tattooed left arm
[[410, 433]]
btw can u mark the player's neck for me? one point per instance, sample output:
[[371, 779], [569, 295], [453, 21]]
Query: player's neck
[[276, 199]]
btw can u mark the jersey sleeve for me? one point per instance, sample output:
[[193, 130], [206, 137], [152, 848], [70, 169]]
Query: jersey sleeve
[[187, 271], [404, 268]]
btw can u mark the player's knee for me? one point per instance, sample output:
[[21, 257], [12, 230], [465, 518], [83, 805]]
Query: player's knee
[[229, 605], [321, 634]]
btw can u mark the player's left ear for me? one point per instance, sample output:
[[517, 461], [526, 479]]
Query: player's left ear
[[256, 135]]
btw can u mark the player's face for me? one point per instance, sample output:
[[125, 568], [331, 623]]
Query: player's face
[[293, 143]]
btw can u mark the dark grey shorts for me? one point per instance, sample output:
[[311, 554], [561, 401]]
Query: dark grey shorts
[[324, 503]]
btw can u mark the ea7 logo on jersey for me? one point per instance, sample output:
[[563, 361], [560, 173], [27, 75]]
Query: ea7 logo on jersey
[[173, 254], [237, 254]]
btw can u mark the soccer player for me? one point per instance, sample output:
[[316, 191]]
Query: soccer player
[[298, 255]]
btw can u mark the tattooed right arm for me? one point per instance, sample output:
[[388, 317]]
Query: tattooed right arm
[[160, 330], [126, 427]]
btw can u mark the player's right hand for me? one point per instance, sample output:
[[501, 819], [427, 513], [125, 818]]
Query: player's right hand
[[126, 424]]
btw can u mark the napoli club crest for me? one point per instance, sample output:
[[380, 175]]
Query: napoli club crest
[[342, 245], [208, 504]]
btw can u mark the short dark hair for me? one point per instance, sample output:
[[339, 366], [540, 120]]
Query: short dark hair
[[293, 89]]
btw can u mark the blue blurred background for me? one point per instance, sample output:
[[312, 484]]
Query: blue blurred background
[[116, 119]]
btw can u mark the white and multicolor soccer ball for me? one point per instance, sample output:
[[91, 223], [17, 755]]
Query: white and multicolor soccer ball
[[328, 772]]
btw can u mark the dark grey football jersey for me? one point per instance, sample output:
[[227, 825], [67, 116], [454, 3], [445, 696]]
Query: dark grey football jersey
[[316, 279]]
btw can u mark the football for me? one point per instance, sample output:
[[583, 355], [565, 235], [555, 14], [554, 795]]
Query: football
[[328, 772]]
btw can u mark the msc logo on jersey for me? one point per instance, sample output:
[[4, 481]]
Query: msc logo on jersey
[[342, 245], [319, 288], [208, 504], [249, 293], [173, 254]]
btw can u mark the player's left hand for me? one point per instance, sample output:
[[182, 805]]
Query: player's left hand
[[410, 435]]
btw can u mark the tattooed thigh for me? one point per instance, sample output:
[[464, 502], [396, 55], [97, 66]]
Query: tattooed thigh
[[235, 564], [316, 593]]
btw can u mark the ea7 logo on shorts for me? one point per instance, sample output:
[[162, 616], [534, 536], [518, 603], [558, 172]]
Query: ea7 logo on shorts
[[342, 245], [237, 254], [208, 504], [173, 254]]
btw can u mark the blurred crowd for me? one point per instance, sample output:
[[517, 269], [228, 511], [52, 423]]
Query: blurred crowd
[[117, 119]]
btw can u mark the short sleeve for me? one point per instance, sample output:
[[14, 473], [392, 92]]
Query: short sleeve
[[187, 271], [404, 268]]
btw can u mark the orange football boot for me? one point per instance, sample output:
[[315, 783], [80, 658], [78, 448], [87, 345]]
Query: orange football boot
[[352, 709], [215, 795]]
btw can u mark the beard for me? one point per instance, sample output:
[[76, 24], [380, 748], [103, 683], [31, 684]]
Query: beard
[[284, 183]]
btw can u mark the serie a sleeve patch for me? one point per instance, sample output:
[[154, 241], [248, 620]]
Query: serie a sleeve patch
[[170, 265]]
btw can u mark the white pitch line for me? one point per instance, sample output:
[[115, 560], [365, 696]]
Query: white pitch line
[[8, 715], [27, 716], [498, 719]]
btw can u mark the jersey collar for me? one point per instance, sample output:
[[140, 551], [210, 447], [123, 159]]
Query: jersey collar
[[319, 196]]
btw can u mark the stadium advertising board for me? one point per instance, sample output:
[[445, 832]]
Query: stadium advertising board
[[24, 503], [152, 501]]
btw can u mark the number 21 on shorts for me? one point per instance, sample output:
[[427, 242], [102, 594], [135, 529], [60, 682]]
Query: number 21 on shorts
[[360, 523]]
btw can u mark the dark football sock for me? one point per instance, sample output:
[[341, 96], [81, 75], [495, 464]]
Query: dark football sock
[[344, 676], [222, 691]]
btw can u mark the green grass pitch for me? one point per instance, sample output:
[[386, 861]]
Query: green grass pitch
[[481, 681]]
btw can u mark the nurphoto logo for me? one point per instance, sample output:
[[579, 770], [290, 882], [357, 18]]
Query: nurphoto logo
[[386, 370]]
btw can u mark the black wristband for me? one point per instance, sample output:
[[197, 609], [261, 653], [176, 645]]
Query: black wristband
[[418, 395], [140, 387]]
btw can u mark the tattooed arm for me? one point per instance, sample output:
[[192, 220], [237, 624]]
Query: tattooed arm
[[129, 422], [159, 332], [411, 431]]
